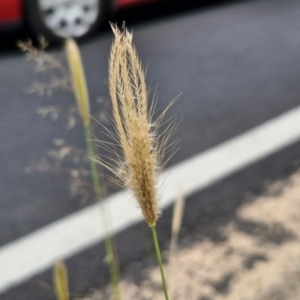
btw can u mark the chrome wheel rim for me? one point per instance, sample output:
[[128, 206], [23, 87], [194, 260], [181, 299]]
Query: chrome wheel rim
[[69, 18]]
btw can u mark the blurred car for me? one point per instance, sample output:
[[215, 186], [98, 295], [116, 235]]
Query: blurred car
[[56, 19]]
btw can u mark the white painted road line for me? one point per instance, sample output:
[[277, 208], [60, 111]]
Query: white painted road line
[[36, 252]]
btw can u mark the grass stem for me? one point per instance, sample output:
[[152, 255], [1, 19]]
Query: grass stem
[[158, 254], [93, 164], [109, 248]]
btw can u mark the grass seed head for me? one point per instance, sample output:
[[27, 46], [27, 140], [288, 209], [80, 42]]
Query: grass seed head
[[138, 162], [78, 80], [60, 278]]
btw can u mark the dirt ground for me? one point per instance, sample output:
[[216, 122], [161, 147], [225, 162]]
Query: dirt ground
[[258, 257]]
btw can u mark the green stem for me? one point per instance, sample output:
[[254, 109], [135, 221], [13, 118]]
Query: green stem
[[112, 261], [156, 244], [93, 165]]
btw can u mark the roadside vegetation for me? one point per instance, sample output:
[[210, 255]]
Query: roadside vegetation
[[138, 148], [252, 255]]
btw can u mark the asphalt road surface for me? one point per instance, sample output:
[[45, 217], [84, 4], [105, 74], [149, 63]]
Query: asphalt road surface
[[235, 65]]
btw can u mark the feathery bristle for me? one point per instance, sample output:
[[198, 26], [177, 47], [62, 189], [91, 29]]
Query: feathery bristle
[[140, 160]]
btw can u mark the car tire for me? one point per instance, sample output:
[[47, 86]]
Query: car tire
[[56, 20]]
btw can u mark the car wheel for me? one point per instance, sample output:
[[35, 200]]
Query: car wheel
[[60, 19]]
